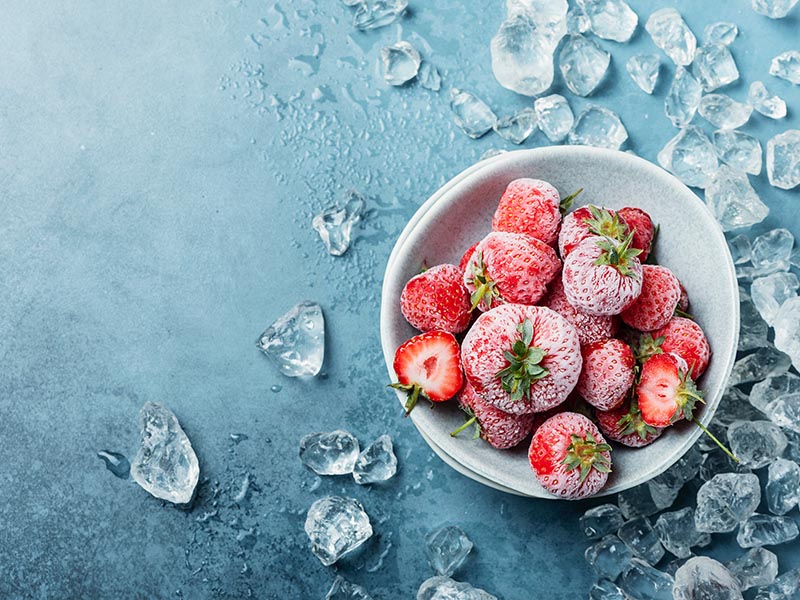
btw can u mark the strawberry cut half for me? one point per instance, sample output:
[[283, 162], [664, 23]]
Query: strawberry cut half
[[666, 393], [428, 365]]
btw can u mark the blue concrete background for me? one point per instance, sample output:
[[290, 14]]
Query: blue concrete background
[[160, 163]]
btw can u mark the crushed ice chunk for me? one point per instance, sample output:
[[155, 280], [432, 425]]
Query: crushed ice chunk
[[714, 66], [730, 196], [755, 567], [703, 577], [470, 113], [447, 549], [756, 443], [726, 500], [444, 588], [723, 111], [577, 21], [400, 62], [583, 64], [165, 464], [785, 412], [786, 66], [787, 330], [429, 77], [763, 393], [678, 534], [752, 328], [774, 9], [296, 341], [372, 14], [767, 104], [785, 587], [336, 526], [639, 535], [772, 250], [329, 453], [664, 488], [608, 557], [770, 292], [683, 98], [601, 520], [734, 406], [766, 530], [376, 462], [640, 580], [554, 116], [335, 224], [344, 590], [599, 127], [517, 127], [637, 502], [783, 159], [738, 150], [606, 590], [783, 486], [721, 32], [764, 362], [691, 157], [740, 248], [671, 33], [715, 462], [643, 69], [610, 19]]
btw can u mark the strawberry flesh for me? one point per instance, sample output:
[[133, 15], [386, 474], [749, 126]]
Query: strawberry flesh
[[665, 393]]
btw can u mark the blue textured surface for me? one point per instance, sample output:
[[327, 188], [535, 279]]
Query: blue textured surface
[[160, 164]]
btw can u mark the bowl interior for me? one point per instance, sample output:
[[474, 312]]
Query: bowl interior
[[689, 242]]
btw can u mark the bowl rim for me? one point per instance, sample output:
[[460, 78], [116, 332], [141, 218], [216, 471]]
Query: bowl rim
[[388, 304]]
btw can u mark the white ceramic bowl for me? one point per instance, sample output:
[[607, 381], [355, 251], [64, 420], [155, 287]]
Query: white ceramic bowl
[[690, 242]]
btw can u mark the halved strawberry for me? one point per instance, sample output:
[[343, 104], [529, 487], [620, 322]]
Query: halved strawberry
[[665, 392], [428, 365]]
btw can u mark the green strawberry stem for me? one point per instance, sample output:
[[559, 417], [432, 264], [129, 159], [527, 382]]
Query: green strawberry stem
[[566, 203], [468, 423], [484, 285], [722, 446], [413, 390], [617, 255], [680, 313], [604, 224], [585, 453], [524, 366]]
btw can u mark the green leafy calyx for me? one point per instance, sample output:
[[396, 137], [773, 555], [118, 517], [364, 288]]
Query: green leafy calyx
[[585, 453], [524, 364]]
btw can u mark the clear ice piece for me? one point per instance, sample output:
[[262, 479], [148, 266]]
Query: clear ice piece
[[703, 577], [644, 582], [599, 127], [785, 412], [336, 526], [716, 462], [470, 113], [678, 534], [335, 224], [518, 127], [610, 19], [643, 69], [783, 159], [637, 502], [755, 567], [786, 66], [664, 488], [764, 362], [608, 557], [639, 535], [606, 590], [785, 587], [734, 406], [752, 328], [372, 14], [671, 33], [583, 64], [772, 250], [740, 151], [683, 98], [329, 453], [376, 462], [690, 156], [444, 588], [764, 393], [429, 77], [787, 330], [401, 63], [554, 116], [296, 341], [165, 464], [723, 111], [783, 486], [344, 590], [774, 9], [726, 500], [767, 104], [577, 21], [601, 520], [714, 66], [732, 199], [447, 549], [766, 530], [756, 443], [740, 248], [770, 292], [721, 32]]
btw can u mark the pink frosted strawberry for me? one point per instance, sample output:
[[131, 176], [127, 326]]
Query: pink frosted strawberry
[[641, 225], [500, 429], [590, 328], [570, 456], [685, 338], [437, 299], [656, 303], [602, 276], [522, 359], [625, 425], [607, 374], [532, 207], [586, 222], [665, 392], [510, 268], [462, 264]]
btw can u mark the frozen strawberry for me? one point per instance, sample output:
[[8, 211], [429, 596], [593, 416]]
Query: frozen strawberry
[[640, 223], [510, 268], [624, 425], [590, 328], [682, 310], [532, 207], [462, 264], [685, 338], [437, 299], [607, 374], [656, 303], [522, 359], [665, 391], [428, 365], [499, 428], [601, 276], [569, 456], [586, 222]]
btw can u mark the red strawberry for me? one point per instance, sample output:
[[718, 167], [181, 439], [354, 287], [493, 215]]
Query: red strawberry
[[437, 299], [510, 268], [624, 425], [640, 223], [428, 365], [532, 207], [685, 338], [569, 456], [586, 222], [590, 328], [665, 392], [462, 264], [607, 374], [500, 429], [601, 276], [522, 359], [656, 304]]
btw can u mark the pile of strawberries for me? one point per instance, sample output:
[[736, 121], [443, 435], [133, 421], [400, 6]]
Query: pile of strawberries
[[570, 335]]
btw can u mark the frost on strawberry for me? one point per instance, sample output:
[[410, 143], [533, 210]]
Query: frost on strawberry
[[500, 429], [437, 299], [685, 338], [589, 221], [655, 306], [625, 425], [590, 328], [607, 374], [641, 226]]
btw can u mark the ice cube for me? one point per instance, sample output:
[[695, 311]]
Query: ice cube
[[550, 17], [730, 196], [766, 530], [610, 19], [703, 577], [639, 535], [447, 549], [735, 406], [783, 486], [770, 292], [606, 590], [644, 582], [723, 111], [583, 64], [678, 534], [772, 250], [372, 14], [714, 66], [785, 587], [752, 328], [601, 520], [336, 526], [344, 590], [715, 462], [429, 77], [444, 588], [471, 113], [740, 248], [518, 127], [329, 453], [376, 463], [720, 32], [767, 104], [726, 500], [765, 392], [608, 557], [756, 443], [599, 127], [683, 98], [165, 464], [785, 412], [643, 69], [664, 488], [786, 66], [554, 116], [755, 567], [764, 362], [335, 224], [116, 463], [577, 21], [296, 341], [739, 150], [783, 159], [691, 157], [671, 33], [787, 330], [637, 502], [774, 9], [400, 62]]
